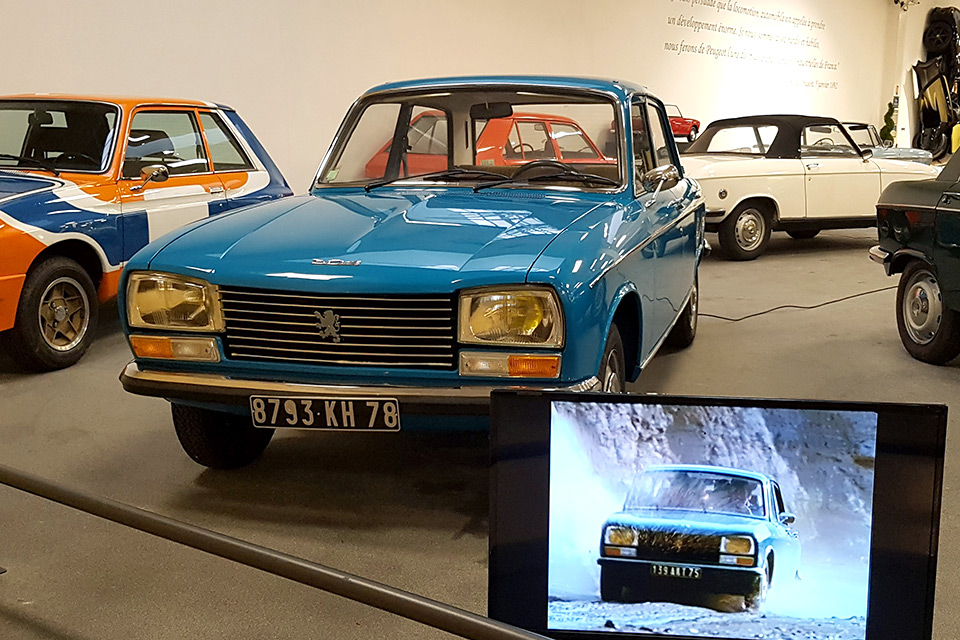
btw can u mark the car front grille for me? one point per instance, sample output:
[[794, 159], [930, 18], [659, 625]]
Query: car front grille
[[335, 330], [666, 546]]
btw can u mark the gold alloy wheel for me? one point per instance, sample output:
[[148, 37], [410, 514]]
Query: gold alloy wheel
[[63, 314]]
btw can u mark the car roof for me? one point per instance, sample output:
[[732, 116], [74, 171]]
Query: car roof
[[125, 102], [785, 145], [620, 88], [705, 468]]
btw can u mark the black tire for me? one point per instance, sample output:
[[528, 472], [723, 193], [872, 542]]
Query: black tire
[[611, 587], [930, 331], [744, 234], [940, 145], [938, 36], [218, 440], [803, 234], [685, 330], [56, 316], [693, 134], [612, 372]]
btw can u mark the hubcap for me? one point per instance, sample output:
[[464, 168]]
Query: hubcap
[[749, 229], [63, 314], [922, 308], [612, 380], [693, 306]]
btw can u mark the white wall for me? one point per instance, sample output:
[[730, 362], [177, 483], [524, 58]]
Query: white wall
[[293, 67]]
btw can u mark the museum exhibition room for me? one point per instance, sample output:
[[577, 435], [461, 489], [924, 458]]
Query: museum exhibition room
[[513, 320]]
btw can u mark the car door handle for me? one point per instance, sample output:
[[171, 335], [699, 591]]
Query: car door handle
[[216, 190], [813, 165]]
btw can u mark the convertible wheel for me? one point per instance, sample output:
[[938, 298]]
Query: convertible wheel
[[218, 440], [56, 316], [612, 367], [685, 330], [929, 331], [744, 234], [803, 234], [938, 37]]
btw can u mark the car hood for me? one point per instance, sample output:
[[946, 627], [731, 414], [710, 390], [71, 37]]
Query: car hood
[[13, 184], [687, 522], [391, 241]]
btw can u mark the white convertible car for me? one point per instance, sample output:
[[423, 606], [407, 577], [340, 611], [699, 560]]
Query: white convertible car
[[798, 174]]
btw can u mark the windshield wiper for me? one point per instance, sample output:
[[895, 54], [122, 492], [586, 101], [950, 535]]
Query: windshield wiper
[[562, 176], [33, 161], [447, 174]]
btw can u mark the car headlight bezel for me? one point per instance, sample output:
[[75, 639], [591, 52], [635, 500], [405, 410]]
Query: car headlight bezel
[[542, 300], [173, 284], [620, 535], [730, 545]]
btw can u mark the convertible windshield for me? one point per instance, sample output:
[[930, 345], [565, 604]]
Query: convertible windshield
[[696, 491], [471, 137], [865, 135], [59, 135]]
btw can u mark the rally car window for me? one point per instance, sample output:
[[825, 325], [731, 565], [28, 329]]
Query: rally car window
[[571, 141], [225, 151], [535, 140], [168, 138]]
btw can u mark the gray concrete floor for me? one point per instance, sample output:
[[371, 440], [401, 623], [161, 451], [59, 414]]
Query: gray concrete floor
[[406, 509]]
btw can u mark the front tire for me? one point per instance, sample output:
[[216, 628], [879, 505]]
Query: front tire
[[218, 440], [56, 316], [611, 587], [693, 134], [930, 331], [744, 234], [755, 600], [612, 365], [685, 330], [803, 234]]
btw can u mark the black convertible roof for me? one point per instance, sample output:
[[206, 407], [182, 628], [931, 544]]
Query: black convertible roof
[[785, 145]]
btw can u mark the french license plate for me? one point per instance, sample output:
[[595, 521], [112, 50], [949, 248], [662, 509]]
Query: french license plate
[[329, 414], [674, 571]]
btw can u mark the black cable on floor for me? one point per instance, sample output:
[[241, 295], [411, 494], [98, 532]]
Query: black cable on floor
[[797, 306]]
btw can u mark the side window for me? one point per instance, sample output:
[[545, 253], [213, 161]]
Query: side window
[[825, 140], [513, 149], [170, 138], [573, 144], [642, 156], [661, 151], [536, 142], [779, 497], [225, 150], [428, 135]]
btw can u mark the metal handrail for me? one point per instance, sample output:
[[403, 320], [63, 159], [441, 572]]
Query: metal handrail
[[402, 603]]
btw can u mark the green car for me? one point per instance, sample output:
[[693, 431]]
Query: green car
[[918, 224]]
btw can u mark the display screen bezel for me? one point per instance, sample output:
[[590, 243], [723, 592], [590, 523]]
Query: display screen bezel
[[905, 524]]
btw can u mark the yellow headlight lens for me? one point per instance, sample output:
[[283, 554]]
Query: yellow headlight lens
[[519, 317], [739, 545], [168, 301], [621, 536]]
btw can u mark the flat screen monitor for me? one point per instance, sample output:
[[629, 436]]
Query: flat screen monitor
[[678, 517]]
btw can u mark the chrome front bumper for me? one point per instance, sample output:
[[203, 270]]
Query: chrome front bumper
[[881, 256], [206, 388]]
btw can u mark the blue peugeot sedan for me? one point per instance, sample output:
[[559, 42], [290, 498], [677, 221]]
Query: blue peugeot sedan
[[462, 234]]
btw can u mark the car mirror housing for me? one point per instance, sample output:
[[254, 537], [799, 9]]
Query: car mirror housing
[[866, 154], [152, 173], [663, 177], [787, 518]]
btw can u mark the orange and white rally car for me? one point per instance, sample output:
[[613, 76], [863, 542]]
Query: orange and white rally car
[[85, 182]]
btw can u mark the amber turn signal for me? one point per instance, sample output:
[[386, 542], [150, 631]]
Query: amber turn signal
[[534, 366]]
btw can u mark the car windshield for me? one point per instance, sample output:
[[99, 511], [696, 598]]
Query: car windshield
[[477, 137], [696, 491], [61, 135], [863, 134], [673, 111]]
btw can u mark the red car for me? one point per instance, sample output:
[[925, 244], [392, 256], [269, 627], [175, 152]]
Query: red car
[[687, 127], [515, 140]]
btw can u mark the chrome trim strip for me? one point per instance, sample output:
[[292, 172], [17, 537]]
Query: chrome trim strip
[[211, 383], [691, 210], [879, 254], [716, 213]]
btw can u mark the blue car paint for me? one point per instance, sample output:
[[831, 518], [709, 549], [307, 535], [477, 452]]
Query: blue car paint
[[581, 243]]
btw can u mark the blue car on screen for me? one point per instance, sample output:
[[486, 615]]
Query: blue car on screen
[[429, 264], [690, 530]]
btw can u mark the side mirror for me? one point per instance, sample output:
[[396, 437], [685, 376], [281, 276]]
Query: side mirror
[[888, 144], [866, 154], [663, 177], [787, 518], [152, 173]]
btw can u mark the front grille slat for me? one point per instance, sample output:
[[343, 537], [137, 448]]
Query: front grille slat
[[375, 331]]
